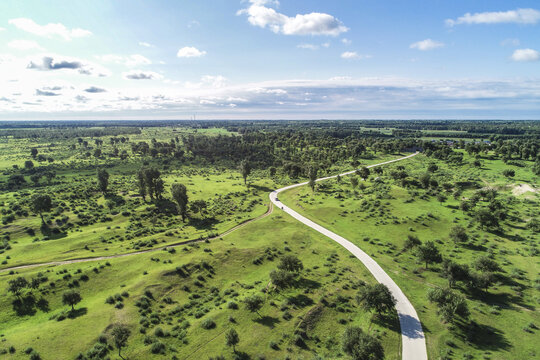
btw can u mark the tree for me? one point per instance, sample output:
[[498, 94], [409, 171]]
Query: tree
[[450, 305], [179, 194], [508, 173], [120, 335], [486, 264], [376, 297], [425, 180], [354, 182], [486, 219], [71, 298], [245, 170], [411, 242], [103, 180], [361, 346], [338, 179], [141, 184], [97, 153], [441, 198], [428, 253], [432, 168], [290, 263], [41, 203], [363, 172], [232, 339], [198, 206], [28, 164], [34, 152], [254, 303], [17, 285], [312, 177], [281, 279], [458, 234], [159, 188], [454, 272]]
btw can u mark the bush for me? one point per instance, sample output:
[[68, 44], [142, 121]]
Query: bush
[[232, 305], [208, 324], [158, 348]]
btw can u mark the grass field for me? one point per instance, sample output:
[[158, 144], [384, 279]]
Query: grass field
[[379, 218]]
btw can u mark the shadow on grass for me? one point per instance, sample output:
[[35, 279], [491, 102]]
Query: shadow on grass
[[267, 321], [240, 355], [308, 283], [43, 305], [203, 224], [300, 300], [388, 321], [25, 305], [73, 314], [485, 337]]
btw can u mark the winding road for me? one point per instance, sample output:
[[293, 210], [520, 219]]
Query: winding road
[[413, 340], [412, 336]]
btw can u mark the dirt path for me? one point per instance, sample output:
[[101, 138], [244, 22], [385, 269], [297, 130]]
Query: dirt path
[[412, 335], [99, 258]]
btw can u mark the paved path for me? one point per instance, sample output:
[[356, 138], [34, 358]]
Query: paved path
[[412, 335]]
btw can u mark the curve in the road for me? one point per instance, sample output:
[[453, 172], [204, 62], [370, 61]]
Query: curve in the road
[[413, 340]]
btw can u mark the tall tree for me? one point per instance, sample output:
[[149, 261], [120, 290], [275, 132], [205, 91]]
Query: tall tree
[[254, 303], [141, 184], [232, 339], [290, 263], [41, 203], [428, 253], [376, 297], [354, 182], [71, 298], [120, 335], [179, 194], [312, 173], [245, 170], [364, 172], [103, 180], [17, 285]]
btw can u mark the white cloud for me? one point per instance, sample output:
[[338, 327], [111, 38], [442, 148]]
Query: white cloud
[[214, 81], [302, 24], [518, 16], [353, 55], [510, 42], [427, 44], [24, 45], [51, 62], [2, 29], [145, 44], [189, 52], [141, 75], [526, 55], [129, 61], [346, 41], [308, 46], [48, 30]]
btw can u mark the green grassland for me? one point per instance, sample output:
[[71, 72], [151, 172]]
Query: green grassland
[[217, 273], [379, 218]]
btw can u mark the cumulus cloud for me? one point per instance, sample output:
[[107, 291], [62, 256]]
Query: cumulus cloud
[[526, 55], [142, 75], [94, 90], [55, 62], [353, 55], [189, 52], [259, 14], [518, 16], [427, 44], [49, 30], [129, 60], [24, 45]]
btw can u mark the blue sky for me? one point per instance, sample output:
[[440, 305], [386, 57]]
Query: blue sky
[[267, 59]]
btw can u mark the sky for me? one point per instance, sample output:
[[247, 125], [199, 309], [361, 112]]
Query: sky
[[269, 59]]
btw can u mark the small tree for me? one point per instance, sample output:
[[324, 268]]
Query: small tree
[[450, 305], [354, 182], [141, 184], [454, 272], [428, 253], [281, 279], [486, 264], [120, 335], [71, 298], [232, 339], [361, 346], [198, 206], [179, 194], [103, 180], [41, 203], [363, 172], [441, 198], [338, 179], [411, 242], [34, 152], [312, 177], [458, 234], [290, 263], [509, 173], [432, 168], [376, 297], [17, 285], [486, 219], [245, 170], [254, 303], [28, 164]]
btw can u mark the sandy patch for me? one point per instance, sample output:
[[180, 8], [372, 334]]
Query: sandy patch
[[522, 189]]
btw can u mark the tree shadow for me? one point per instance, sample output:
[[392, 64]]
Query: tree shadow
[[43, 305], [300, 300], [25, 305], [267, 321], [240, 355], [73, 314], [411, 327], [389, 321], [485, 337], [203, 224], [261, 188], [307, 283], [165, 206]]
